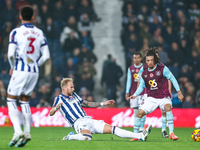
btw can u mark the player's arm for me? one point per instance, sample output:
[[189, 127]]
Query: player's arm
[[170, 87], [167, 73], [96, 104], [45, 55], [54, 109], [140, 74], [11, 50], [139, 89], [128, 83]]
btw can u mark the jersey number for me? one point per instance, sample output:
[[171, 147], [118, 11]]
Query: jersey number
[[30, 45]]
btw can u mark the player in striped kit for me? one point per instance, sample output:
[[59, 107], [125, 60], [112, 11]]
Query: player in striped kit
[[70, 106], [131, 86], [26, 44]]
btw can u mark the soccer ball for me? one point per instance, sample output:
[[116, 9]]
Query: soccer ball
[[196, 135]]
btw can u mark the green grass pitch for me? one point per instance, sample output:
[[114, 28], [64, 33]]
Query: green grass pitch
[[50, 138]]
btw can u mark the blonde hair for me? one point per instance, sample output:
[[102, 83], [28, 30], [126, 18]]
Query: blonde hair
[[65, 81]]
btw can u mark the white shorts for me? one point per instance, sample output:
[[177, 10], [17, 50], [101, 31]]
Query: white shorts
[[22, 83], [137, 101], [87, 123], [150, 104]]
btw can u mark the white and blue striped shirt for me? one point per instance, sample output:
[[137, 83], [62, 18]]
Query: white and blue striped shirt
[[29, 43], [71, 108]]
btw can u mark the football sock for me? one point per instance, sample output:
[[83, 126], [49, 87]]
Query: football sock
[[124, 133], [170, 121], [164, 123], [143, 119], [14, 115], [26, 116], [137, 124], [80, 137], [135, 113]]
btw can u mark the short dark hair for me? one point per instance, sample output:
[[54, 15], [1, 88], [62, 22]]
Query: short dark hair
[[26, 12], [137, 53], [152, 52]]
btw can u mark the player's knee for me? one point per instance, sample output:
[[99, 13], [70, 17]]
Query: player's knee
[[140, 113], [167, 107], [88, 137]]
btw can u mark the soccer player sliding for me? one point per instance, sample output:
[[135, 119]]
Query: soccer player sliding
[[155, 80], [70, 106]]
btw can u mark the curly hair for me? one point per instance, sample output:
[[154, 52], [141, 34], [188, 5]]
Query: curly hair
[[152, 52]]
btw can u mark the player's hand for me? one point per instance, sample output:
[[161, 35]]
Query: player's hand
[[131, 97], [11, 72], [127, 95], [180, 97], [109, 102], [58, 105]]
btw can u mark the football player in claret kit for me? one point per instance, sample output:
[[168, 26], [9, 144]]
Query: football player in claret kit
[[26, 44], [70, 106], [155, 80], [131, 84], [164, 119]]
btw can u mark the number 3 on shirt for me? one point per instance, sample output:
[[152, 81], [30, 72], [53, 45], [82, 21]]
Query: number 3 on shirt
[[30, 45]]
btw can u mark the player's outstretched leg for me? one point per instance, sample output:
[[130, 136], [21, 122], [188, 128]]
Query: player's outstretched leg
[[171, 125], [164, 126], [145, 134], [79, 136], [14, 116]]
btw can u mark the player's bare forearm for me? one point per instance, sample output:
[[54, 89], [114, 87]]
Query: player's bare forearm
[[96, 104], [90, 104], [52, 111]]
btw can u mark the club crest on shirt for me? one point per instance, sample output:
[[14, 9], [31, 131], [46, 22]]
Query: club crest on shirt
[[151, 75], [132, 70], [158, 73]]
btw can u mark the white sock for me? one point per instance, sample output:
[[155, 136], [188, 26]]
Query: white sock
[[81, 137], [125, 134], [14, 115], [26, 116]]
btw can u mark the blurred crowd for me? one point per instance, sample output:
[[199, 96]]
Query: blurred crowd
[[173, 26], [67, 25]]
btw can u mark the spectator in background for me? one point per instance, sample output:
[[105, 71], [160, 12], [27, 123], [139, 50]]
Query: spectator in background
[[169, 36], [85, 24], [195, 60], [71, 42], [156, 24], [90, 98], [106, 62], [131, 30], [144, 33], [5, 37], [162, 54], [132, 44], [55, 82], [86, 40], [194, 11], [59, 15], [43, 103], [70, 67], [110, 77], [72, 11], [8, 14], [75, 56], [175, 101], [185, 48], [144, 11], [36, 14], [174, 61], [182, 33], [185, 74], [188, 103], [86, 54], [84, 93], [45, 13], [87, 69], [1, 85], [4, 64], [154, 18], [196, 45], [72, 24], [20, 3], [87, 82], [3, 98], [86, 8], [56, 93], [34, 99], [44, 92], [50, 29]]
